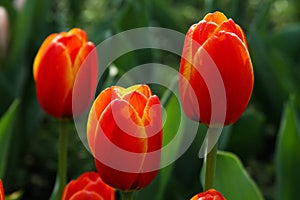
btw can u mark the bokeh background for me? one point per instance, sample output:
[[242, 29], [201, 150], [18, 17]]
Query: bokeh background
[[266, 139]]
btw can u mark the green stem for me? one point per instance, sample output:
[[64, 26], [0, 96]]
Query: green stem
[[210, 166], [61, 178], [127, 195], [212, 137]]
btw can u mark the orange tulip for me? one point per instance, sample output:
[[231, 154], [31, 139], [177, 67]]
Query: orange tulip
[[88, 186], [125, 122], [215, 43], [56, 65], [209, 195], [1, 191]]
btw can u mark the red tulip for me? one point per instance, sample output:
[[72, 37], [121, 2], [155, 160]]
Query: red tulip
[[215, 51], [125, 135], [1, 191], [88, 186], [209, 195], [56, 65]]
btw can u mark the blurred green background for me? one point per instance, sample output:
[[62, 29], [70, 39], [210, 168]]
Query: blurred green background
[[266, 138]]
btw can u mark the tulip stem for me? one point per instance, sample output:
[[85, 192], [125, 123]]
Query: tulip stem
[[210, 166], [61, 178], [211, 157], [127, 195]]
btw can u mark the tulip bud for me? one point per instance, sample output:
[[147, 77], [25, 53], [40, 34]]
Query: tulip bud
[[215, 51], [209, 195], [125, 136], [19, 4], [1, 191], [4, 31], [88, 186], [55, 70]]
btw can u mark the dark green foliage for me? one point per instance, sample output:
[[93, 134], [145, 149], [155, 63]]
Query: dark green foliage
[[273, 31]]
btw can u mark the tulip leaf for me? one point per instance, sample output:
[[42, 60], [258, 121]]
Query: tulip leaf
[[232, 179], [287, 155], [6, 126], [287, 40], [14, 196]]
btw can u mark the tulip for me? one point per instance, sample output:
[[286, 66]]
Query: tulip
[[56, 65], [215, 44], [131, 120], [209, 195], [1, 191], [4, 32], [88, 186], [19, 4]]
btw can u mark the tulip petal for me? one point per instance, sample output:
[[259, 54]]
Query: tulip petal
[[41, 52], [121, 128], [152, 120], [82, 55], [202, 32], [100, 103], [79, 184], [116, 178], [232, 59], [120, 122], [231, 27], [54, 79], [216, 17], [209, 195], [102, 189], [88, 185], [1, 191], [72, 43], [86, 195], [86, 71], [137, 100], [144, 89], [79, 32]]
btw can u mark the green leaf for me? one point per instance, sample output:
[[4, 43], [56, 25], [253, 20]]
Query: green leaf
[[232, 179], [14, 196], [249, 128], [6, 126], [287, 40], [287, 155]]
